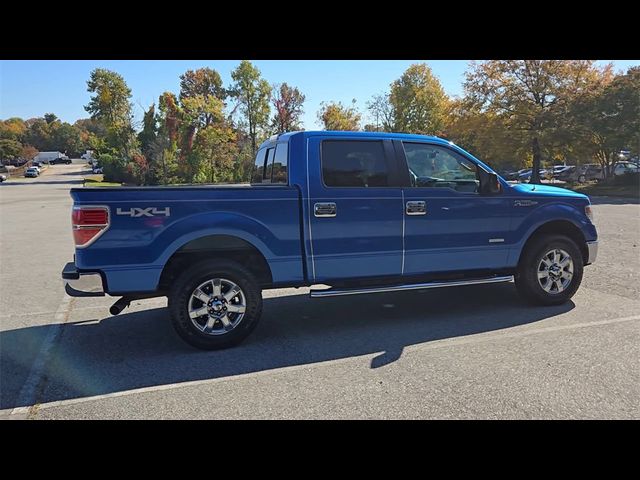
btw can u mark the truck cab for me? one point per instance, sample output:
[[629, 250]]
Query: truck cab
[[361, 212]]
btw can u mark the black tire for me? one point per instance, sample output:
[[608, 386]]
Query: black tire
[[194, 276], [527, 282]]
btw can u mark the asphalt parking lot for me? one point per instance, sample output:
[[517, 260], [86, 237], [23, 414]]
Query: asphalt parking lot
[[470, 352]]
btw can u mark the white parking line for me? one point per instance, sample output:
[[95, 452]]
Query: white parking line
[[475, 338], [29, 391]]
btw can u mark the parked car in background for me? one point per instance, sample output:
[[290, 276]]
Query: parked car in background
[[514, 175], [565, 174], [589, 172], [38, 167], [526, 176], [97, 169], [65, 160], [31, 172], [2, 178], [621, 168]]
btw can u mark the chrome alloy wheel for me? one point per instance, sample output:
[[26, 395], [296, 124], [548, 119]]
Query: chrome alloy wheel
[[555, 271], [217, 306]]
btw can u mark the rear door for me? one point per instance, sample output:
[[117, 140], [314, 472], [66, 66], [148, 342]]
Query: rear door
[[355, 205]]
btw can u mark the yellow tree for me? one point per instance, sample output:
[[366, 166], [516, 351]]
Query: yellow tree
[[336, 116], [532, 97], [418, 101]]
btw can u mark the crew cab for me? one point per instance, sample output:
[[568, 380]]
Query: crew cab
[[343, 212]]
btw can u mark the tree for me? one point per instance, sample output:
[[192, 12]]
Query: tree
[[50, 117], [163, 151], [39, 134], [13, 129], [110, 102], [214, 151], [9, 149], [532, 96], [336, 116], [287, 102], [418, 101], [194, 112], [382, 113], [28, 152], [252, 93], [608, 120], [202, 82], [111, 106], [149, 130], [485, 135], [66, 138]]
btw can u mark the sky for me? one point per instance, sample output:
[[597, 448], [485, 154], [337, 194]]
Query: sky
[[31, 88]]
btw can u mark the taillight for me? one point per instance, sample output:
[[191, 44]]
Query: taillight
[[88, 224]]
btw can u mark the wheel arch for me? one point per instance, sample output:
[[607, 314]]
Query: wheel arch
[[216, 245], [559, 227]]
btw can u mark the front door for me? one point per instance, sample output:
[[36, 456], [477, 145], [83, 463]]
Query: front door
[[355, 212], [448, 225]]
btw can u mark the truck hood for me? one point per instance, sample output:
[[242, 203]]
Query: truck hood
[[546, 190]]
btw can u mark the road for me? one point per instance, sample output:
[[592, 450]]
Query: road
[[471, 352]]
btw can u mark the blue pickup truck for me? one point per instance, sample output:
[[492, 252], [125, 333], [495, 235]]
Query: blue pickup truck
[[355, 212]]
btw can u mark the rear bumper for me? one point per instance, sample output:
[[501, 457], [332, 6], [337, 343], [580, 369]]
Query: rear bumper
[[81, 284], [592, 247]]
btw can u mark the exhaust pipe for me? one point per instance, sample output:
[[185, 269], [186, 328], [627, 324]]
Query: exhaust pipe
[[120, 305]]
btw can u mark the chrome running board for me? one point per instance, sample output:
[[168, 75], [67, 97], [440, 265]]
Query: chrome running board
[[331, 292]]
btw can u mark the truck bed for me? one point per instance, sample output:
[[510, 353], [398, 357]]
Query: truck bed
[[149, 224]]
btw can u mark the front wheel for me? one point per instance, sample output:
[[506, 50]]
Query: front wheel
[[215, 304], [550, 270]]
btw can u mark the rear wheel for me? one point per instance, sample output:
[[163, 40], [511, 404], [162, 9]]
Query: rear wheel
[[550, 270], [215, 304]]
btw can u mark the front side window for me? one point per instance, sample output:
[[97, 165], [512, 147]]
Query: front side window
[[354, 164], [435, 166]]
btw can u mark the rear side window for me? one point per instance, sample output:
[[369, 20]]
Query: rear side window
[[354, 164], [267, 173], [271, 165], [259, 167], [280, 164]]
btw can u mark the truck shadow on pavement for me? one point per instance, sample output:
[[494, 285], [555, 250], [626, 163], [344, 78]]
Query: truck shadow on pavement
[[140, 349]]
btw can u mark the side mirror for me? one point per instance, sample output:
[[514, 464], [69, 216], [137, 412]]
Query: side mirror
[[489, 183]]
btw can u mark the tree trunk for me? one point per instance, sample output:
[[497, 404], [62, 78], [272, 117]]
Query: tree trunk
[[535, 172]]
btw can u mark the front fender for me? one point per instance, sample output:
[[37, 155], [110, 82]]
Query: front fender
[[549, 212]]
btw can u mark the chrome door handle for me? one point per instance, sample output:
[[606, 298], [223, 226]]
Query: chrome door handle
[[416, 207], [325, 209]]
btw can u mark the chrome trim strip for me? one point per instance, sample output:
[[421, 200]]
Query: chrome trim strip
[[496, 240], [330, 292], [593, 252], [88, 285], [403, 220], [313, 263]]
